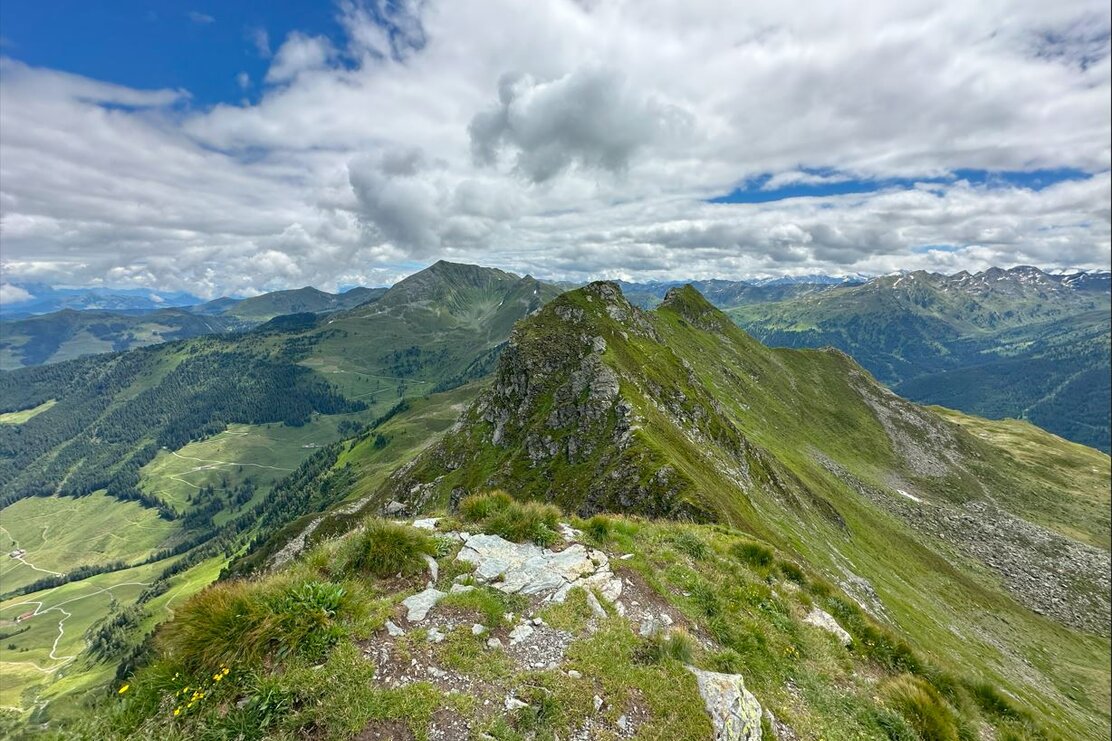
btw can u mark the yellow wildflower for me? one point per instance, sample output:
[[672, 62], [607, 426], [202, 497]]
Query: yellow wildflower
[[217, 677], [177, 711], [123, 689]]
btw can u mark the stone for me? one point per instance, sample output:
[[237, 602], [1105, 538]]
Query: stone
[[494, 643], [428, 523], [734, 712], [595, 605], [665, 619], [478, 630], [521, 633], [418, 605], [393, 629], [648, 627], [434, 568], [826, 621], [598, 703], [512, 703], [435, 636], [626, 556], [623, 723], [437, 672], [461, 588], [394, 507], [575, 674]]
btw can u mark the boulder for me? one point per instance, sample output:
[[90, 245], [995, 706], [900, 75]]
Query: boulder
[[826, 621], [418, 605], [734, 712]]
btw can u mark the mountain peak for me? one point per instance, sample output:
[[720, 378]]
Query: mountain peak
[[686, 302]]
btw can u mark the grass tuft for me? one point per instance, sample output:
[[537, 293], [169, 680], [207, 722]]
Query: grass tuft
[[385, 548], [922, 706], [499, 514], [752, 554], [659, 647], [232, 623]]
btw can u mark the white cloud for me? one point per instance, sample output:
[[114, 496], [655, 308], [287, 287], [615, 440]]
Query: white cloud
[[299, 53], [576, 140], [200, 18], [10, 294]]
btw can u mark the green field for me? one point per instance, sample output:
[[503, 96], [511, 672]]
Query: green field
[[262, 453], [18, 418], [54, 636], [62, 533]]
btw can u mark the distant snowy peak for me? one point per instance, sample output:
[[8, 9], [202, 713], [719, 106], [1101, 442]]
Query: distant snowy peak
[[1018, 278]]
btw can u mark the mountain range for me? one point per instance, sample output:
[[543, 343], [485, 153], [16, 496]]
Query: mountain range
[[734, 488]]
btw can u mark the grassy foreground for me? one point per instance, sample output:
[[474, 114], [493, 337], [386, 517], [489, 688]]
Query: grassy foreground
[[291, 655]]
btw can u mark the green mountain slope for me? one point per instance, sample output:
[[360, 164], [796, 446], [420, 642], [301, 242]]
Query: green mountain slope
[[597, 405], [1016, 343], [222, 437], [69, 334]]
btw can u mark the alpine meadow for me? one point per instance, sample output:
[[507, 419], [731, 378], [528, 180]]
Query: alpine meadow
[[434, 371]]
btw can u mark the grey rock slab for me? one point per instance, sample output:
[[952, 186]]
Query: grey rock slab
[[521, 633], [428, 523], [418, 605], [434, 567], [393, 629], [734, 712], [826, 621]]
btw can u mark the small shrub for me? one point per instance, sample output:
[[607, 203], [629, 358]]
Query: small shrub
[[598, 529], [922, 707], [691, 544], [993, 702], [752, 554], [792, 572], [499, 514], [478, 507], [236, 622], [658, 647], [523, 521], [385, 548], [726, 661]]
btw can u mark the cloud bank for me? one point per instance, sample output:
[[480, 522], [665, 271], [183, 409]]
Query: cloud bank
[[579, 140]]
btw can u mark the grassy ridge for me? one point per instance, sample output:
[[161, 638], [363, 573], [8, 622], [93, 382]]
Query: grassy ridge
[[680, 412]]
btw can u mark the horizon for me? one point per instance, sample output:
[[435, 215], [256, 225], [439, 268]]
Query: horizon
[[226, 149], [15, 289]]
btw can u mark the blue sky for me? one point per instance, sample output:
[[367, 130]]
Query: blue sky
[[237, 147], [199, 47], [824, 183]]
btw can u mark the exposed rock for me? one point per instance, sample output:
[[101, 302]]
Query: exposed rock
[[435, 636], [393, 629], [393, 508], [477, 629], [494, 643], [460, 588], [524, 568], [434, 568], [734, 712], [521, 633], [429, 523], [826, 621], [418, 605]]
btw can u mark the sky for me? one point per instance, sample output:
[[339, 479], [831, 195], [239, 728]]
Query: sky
[[229, 148]]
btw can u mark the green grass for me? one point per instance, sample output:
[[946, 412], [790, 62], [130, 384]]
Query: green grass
[[384, 549], [498, 513], [60, 534], [18, 418], [792, 446]]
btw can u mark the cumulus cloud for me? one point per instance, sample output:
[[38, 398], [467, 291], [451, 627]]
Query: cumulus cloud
[[10, 294], [577, 141], [591, 117], [299, 53]]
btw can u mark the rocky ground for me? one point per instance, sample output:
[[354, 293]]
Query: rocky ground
[[435, 637]]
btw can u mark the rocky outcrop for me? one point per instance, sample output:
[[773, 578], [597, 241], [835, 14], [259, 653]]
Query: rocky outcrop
[[524, 568], [825, 621], [734, 712]]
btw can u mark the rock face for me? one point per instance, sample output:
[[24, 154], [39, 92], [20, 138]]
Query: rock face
[[735, 713], [524, 568], [418, 606], [826, 621]]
